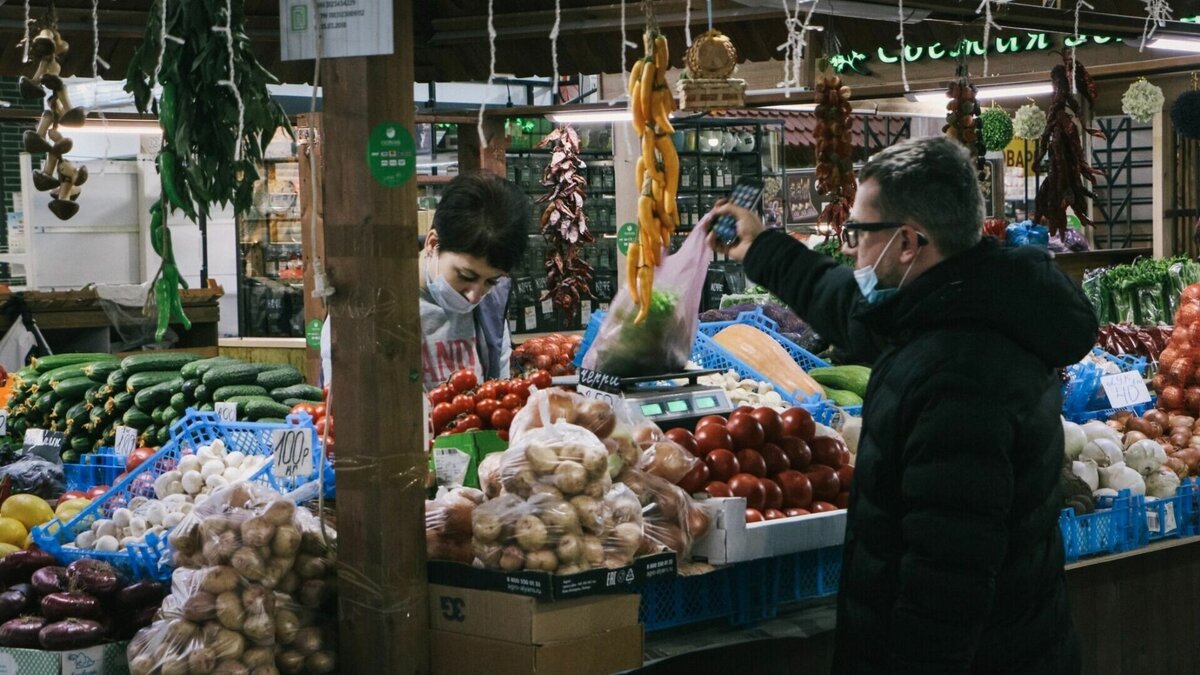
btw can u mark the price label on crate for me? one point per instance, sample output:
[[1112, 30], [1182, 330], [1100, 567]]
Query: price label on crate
[[226, 411], [1125, 389], [293, 451], [43, 443], [126, 441]]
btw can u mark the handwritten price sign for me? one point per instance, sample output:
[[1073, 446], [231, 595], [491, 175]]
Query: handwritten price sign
[[1125, 389], [293, 452]]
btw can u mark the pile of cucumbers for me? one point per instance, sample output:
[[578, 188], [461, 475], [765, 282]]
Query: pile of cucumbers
[[87, 396]]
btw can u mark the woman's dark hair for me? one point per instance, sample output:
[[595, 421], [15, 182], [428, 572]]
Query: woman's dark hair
[[484, 215]]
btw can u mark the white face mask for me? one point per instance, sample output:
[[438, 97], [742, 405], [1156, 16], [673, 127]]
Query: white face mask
[[443, 294], [868, 280]]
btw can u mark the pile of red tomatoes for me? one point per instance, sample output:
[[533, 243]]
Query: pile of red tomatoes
[[776, 461], [554, 353], [462, 404], [323, 421]]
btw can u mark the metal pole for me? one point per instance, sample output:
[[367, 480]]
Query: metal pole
[[203, 250]]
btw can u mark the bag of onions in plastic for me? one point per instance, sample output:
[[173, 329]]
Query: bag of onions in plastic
[[1177, 381], [448, 524]]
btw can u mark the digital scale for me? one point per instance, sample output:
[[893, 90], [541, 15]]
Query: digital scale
[[660, 398]]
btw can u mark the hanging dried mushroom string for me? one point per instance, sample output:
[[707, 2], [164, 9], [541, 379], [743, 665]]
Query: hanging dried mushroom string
[[1068, 165], [564, 223]]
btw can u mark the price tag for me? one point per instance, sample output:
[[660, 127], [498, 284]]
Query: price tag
[[292, 450], [3, 422], [1125, 389], [547, 306], [530, 318], [226, 411], [34, 437], [126, 441], [450, 465]]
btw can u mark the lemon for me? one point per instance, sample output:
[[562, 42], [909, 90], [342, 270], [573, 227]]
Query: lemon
[[71, 508], [12, 532], [5, 549], [31, 510], [28, 540]]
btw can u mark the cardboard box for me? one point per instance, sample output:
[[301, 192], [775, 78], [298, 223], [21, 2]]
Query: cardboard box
[[455, 458], [107, 659], [613, 651], [731, 539], [525, 620], [546, 586]]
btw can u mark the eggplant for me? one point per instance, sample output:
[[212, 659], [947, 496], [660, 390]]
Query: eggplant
[[70, 634], [58, 606], [16, 601], [93, 576], [23, 632], [144, 616], [51, 579], [17, 567], [141, 594]]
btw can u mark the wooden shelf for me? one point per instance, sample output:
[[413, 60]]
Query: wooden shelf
[[434, 180]]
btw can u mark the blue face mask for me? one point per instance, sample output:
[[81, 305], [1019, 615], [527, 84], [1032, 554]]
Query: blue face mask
[[443, 294], [867, 279]]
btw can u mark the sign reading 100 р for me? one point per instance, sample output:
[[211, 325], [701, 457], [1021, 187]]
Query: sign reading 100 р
[[391, 154]]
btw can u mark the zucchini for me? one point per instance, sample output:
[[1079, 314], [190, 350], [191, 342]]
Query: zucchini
[[143, 363], [155, 396], [73, 389], [194, 370], [99, 371], [284, 376], [304, 392], [45, 364], [845, 378], [261, 408], [179, 402], [116, 379], [140, 381], [137, 419], [189, 389], [843, 398], [203, 394], [222, 376], [227, 392]]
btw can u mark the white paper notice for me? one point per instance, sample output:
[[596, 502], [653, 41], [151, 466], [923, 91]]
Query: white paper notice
[[348, 28], [1125, 389]]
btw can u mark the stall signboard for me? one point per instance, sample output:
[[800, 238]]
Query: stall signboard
[[346, 28]]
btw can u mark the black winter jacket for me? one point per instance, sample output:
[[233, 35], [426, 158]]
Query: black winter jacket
[[953, 561]]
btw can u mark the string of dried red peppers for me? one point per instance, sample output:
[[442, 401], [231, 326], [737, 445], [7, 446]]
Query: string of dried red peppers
[[564, 223]]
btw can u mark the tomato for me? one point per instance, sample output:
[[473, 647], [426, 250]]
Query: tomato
[[709, 419], [797, 451], [464, 404], [329, 448], [463, 381], [845, 476], [467, 422], [138, 456], [97, 491], [774, 498], [684, 439], [823, 506], [512, 402], [773, 514], [694, 480], [306, 408], [722, 464], [713, 437], [717, 488], [745, 431], [485, 407], [541, 379], [441, 394], [443, 414], [754, 516], [501, 418], [826, 451], [488, 390], [775, 459], [68, 496], [771, 423], [503, 434], [752, 462], [825, 483], [797, 490], [798, 422], [796, 513], [750, 488], [326, 424], [843, 500]]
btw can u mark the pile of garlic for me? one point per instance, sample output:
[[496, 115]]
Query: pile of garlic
[[178, 491]]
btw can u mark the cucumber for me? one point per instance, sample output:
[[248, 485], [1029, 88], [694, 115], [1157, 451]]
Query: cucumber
[[845, 378], [227, 392], [45, 402], [170, 416], [99, 371], [116, 379], [843, 398], [142, 363], [59, 410], [266, 408], [164, 436], [137, 419], [196, 369], [47, 379], [284, 376], [207, 407], [222, 376], [179, 402], [140, 381], [155, 396], [81, 444], [27, 374], [70, 457], [149, 436], [272, 420], [203, 394], [156, 415], [119, 403], [189, 389], [243, 401], [45, 364], [293, 402], [304, 392], [73, 389], [77, 415]]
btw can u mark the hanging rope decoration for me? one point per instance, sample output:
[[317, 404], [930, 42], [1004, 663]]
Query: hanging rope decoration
[[988, 24], [487, 89], [231, 81], [554, 51], [1185, 112], [96, 63], [687, 23], [1158, 13], [1079, 5], [793, 48], [25, 40], [903, 47]]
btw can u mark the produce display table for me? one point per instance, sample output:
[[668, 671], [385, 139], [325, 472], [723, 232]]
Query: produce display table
[[1075, 264]]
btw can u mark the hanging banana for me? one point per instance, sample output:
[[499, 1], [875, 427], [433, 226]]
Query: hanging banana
[[657, 172]]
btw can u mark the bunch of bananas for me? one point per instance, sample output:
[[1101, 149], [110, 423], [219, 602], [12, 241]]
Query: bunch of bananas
[[657, 171]]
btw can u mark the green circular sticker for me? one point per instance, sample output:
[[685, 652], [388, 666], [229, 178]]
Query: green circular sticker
[[626, 235], [1074, 222], [391, 154], [312, 333]]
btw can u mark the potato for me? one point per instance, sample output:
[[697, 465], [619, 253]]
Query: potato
[[595, 460], [541, 458], [559, 517], [286, 542], [487, 527], [277, 568], [322, 662], [308, 641], [593, 550], [625, 539], [227, 644], [314, 593], [547, 490], [290, 662], [231, 667], [541, 560], [487, 553], [512, 559], [570, 477], [588, 511], [280, 512], [219, 579], [599, 487], [201, 660], [200, 606], [259, 628], [218, 551], [289, 584], [258, 599], [287, 624], [249, 564], [571, 450], [257, 532], [530, 533], [570, 549], [230, 613], [311, 566], [259, 656]]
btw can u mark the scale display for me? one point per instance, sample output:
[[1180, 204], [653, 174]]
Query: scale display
[[681, 403]]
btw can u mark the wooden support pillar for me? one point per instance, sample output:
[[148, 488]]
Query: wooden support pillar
[[313, 239], [370, 244], [472, 157]]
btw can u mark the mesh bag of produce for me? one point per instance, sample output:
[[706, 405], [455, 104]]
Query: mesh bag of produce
[[671, 519], [662, 343], [448, 524], [562, 460], [306, 628]]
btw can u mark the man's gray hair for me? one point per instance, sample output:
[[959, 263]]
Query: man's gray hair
[[931, 182]]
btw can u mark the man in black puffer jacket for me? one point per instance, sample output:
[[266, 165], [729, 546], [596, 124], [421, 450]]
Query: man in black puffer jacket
[[952, 561]]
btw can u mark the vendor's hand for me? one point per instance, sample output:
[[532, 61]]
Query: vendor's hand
[[749, 226]]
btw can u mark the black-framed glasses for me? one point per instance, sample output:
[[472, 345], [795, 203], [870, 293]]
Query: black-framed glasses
[[851, 228]]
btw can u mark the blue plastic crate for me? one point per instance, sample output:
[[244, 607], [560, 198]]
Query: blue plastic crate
[[98, 468], [1106, 530], [1168, 517], [804, 358], [146, 560], [1083, 395], [741, 593]]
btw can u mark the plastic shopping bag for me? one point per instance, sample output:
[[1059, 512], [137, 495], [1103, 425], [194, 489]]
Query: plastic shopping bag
[[663, 343]]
